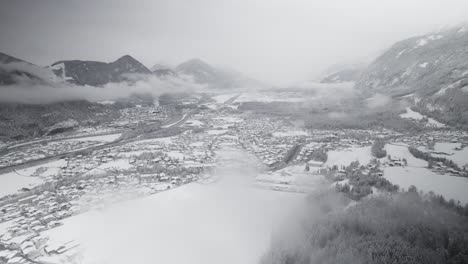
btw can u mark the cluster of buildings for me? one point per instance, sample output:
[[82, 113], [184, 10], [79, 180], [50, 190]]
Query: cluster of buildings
[[43, 150], [141, 115], [455, 136], [145, 166]]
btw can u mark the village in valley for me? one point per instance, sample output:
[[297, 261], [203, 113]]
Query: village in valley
[[151, 149]]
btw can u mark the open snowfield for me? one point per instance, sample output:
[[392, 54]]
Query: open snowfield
[[344, 157], [410, 114], [229, 221], [447, 150], [401, 151], [217, 131], [294, 175], [175, 122], [12, 182], [426, 180]]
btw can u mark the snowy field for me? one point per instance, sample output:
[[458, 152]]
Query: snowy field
[[426, 180], [12, 182], [400, 151], [229, 221], [344, 157], [449, 151], [217, 131], [410, 114]]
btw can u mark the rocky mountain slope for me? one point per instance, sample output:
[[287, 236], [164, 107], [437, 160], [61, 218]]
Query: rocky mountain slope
[[19, 121], [431, 71], [14, 71], [96, 73]]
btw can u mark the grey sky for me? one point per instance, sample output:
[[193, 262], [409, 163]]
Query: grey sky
[[268, 39]]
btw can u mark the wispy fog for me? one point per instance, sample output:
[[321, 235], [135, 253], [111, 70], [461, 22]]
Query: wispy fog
[[378, 100], [25, 92], [229, 221]]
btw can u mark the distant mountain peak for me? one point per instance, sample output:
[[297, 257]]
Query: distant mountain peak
[[431, 69], [96, 73], [126, 58]]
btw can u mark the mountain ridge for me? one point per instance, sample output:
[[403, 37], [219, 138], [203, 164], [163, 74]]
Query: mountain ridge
[[97, 73], [429, 71]]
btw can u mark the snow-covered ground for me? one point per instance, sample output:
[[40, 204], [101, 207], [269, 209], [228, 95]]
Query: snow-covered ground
[[194, 123], [229, 221], [268, 97], [345, 156], [290, 133], [229, 119], [175, 122], [292, 178], [222, 98], [176, 155], [400, 151], [120, 164], [103, 138], [410, 114], [426, 180], [12, 182], [417, 174], [451, 151], [217, 131], [431, 122], [157, 141]]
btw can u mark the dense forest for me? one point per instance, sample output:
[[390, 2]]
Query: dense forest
[[367, 220], [395, 228], [20, 121]]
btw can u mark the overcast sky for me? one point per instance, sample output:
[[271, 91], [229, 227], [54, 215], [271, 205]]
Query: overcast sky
[[271, 40]]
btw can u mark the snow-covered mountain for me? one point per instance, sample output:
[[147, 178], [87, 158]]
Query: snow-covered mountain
[[429, 70], [14, 70], [96, 73], [214, 77], [345, 75]]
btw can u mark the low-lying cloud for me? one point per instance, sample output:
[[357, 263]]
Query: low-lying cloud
[[33, 93], [378, 100]]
